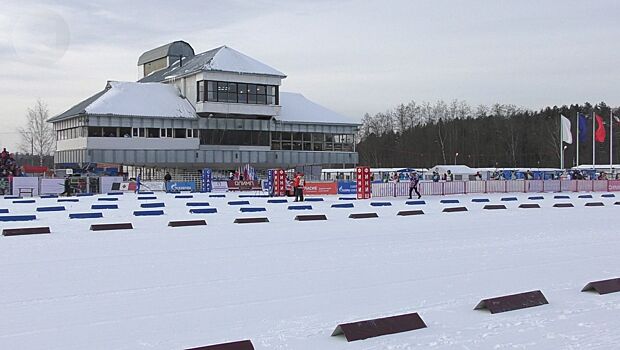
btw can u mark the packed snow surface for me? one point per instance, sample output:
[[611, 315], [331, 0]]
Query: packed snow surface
[[142, 99], [287, 284]]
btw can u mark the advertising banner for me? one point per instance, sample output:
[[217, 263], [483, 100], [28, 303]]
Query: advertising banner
[[363, 182], [320, 188], [347, 187], [106, 183], [219, 186], [238, 185], [207, 178], [175, 186]]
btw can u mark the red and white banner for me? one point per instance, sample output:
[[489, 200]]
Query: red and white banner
[[363, 182], [320, 188]]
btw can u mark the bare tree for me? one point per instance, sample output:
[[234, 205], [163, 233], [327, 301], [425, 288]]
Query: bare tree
[[37, 136]]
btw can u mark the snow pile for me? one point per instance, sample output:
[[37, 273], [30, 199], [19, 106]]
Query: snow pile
[[297, 108], [142, 99], [287, 284], [229, 60]]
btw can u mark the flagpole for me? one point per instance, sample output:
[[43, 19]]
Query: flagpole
[[561, 144], [578, 134], [611, 140], [593, 140]]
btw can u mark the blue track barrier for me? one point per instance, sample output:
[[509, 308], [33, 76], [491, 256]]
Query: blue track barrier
[[148, 212], [252, 210], [5, 218], [57, 208], [103, 206], [85, 215], [203, 211], [299, 207], [277, 201], [152, 205], [343, 205]]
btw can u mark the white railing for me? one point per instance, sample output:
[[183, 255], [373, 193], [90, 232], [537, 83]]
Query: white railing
[[400, 189]]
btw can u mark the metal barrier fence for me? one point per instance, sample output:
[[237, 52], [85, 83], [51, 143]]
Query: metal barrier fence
[[399, 189]]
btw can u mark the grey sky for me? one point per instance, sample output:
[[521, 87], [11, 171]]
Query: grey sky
[[351, 56]]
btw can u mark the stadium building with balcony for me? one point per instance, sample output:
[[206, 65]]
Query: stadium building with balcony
[[218, 109]]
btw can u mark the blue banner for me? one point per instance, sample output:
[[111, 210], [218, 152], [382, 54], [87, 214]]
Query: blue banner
[[175, 186], [207, 180], [347, 187]]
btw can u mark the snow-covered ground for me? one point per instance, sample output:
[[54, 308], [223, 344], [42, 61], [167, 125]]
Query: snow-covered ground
[[287, 284]]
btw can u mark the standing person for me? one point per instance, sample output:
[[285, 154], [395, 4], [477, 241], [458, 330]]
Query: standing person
[[138, 182], [167, 179], [67, 191], [450, 176], [413, 184], [296, 186], [302, 183]]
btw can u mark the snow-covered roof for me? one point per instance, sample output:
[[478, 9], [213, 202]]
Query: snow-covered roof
[[221, 59], [134, 99], [297, 108], [454, 169]]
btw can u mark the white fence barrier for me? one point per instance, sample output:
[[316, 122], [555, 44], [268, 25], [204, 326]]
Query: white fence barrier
[[399, 189]]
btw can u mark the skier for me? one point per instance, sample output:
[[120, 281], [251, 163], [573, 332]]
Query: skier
[[300, 189], [138, 183], [67, 191], [413, 184]]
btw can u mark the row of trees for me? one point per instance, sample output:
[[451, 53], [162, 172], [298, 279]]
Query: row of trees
[[426, 134]]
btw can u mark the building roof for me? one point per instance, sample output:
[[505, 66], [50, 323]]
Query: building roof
[[221, 59], [134, 99], [175, 48], [297, 108]]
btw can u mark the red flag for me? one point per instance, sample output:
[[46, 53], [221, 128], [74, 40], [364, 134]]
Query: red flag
[[600, 134]]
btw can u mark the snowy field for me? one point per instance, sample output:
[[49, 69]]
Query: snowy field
[[287, 284]]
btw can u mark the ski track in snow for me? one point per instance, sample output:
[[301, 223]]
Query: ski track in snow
[[287, 284]]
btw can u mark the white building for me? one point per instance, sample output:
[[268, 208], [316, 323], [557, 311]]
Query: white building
[[218, 109]]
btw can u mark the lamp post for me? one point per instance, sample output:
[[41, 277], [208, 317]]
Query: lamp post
[[455, 157]]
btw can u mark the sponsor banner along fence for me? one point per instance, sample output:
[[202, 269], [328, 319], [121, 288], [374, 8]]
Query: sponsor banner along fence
[[320, 188], [391, 189], [238, 185], [174, 186]]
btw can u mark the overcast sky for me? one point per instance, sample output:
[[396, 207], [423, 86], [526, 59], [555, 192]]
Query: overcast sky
[[350, 56]]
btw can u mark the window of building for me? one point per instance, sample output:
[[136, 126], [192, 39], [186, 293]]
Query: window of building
[[152, 133], [234, 137], [200, 91], [125, 132], [110, 132], [190, 133], [220, 91], [179, 133], [94, 131]]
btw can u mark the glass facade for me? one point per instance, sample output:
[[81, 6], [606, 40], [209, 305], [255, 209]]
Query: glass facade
[[234, 137], [306, 141], [222, 91]]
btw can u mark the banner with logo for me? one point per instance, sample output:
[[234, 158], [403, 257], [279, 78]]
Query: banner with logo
[[320, 188], [207, 180], [175, 186], [238, 185], [219, 186], [347, 187]]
